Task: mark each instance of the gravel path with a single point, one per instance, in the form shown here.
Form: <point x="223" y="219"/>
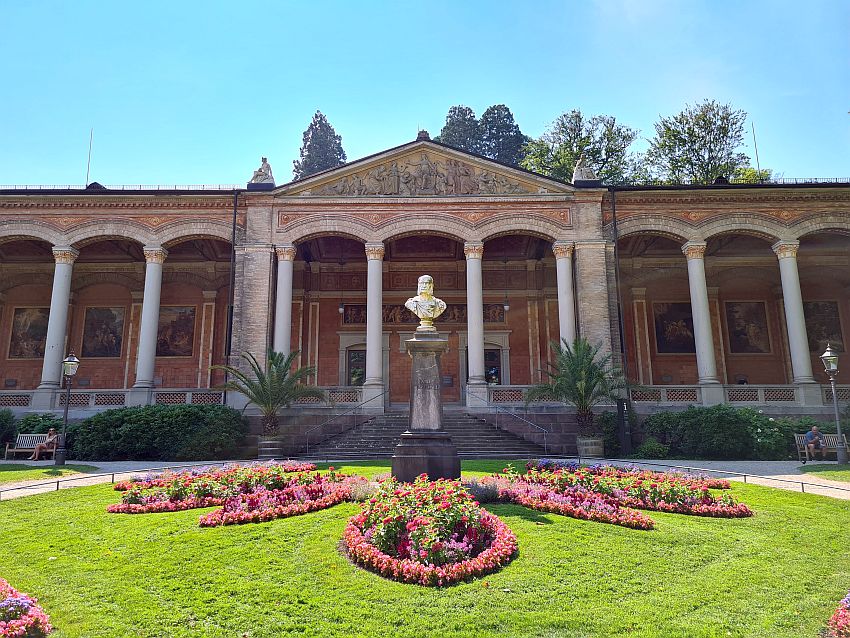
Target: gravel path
<point x="780" y="474"/>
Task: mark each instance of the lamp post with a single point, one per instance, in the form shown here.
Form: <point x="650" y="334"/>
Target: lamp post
<point x="69" y="369"/>
<point x="830" y="364"/>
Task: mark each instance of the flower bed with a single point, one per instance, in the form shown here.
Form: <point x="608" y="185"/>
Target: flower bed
<point x="206" y="487"/>
<point x="266" y="505"/>
<point x="643" y="489"/>
<point x="429" y="533"/>
<point x="20" y="615"/>
<point x="839" y="624"/>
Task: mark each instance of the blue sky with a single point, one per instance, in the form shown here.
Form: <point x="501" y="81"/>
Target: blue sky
<point x="194" y="93"/>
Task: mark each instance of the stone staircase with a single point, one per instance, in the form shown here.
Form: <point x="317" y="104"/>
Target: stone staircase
<point x="377" y="438"/>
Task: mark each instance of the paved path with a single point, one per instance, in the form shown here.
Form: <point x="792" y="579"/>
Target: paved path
<point x="781" y="474"/>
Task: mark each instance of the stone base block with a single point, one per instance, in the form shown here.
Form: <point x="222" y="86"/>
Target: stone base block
<point x="431" y="453"/>
<point x="139" y="396"/>
<point x="712" y="393"/>
<point x="44" y="399"/>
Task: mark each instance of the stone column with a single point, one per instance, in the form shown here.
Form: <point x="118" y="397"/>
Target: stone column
<point x="566" y="295"/>
<point x="712" y="390"/>
<point x="795" y="321"/>
<point x="476" y="385"/>
<point x="373" y="385"/>
<point x="148" y="326"/>
<point x="57" y="327"/>
<point x="592" y="293"/>
<point x="283" y="299"/>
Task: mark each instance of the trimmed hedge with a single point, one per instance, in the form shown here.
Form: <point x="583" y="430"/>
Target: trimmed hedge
<point x="160" y="433"/>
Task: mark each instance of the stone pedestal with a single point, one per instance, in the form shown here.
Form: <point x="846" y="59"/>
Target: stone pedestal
<point x="425" y="448"/>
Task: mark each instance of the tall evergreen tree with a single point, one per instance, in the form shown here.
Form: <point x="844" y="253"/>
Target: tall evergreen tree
<point x="501" y="139"/>
<point x="699" y="144"/>
<point x="461" y="130"/>
<point x="604" y="143"/>
<point x="321" y="148"/>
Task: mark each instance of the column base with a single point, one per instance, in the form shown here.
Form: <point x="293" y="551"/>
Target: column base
<point x="477" y="396"/>
<point x="431" y="453"/>
<point x="712" y="393"/>
<point x="139" y="396"/>
<point x="810" y="393"/>
<point x="372" y="393"/>
<point x="44" y="398"/>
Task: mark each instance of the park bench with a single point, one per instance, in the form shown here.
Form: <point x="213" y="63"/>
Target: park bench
<point x="27" y="443"/>
<point x="830" y="442"/>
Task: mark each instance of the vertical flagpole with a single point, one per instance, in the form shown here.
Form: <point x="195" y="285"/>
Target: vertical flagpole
<point x="88" y="164"/>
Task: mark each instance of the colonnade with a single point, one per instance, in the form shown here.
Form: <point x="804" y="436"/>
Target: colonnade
<point x="60" y="298"/>
<point x="786" y="253"/>
<point x="373" y="385"/>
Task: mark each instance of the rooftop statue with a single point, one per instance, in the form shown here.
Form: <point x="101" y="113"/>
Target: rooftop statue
<point x="582" y="172"/>
<point x="425" y="305"/>
<point x="263" y="175"/>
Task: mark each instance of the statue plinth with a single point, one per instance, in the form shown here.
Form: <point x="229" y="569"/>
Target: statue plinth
<point x="425" y="448"/>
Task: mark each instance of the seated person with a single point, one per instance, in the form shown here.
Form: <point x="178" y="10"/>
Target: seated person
<point x="815" y="441"/>
<point x="49" y="444"/>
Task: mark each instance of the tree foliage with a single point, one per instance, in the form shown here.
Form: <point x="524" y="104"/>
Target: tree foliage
<point x="604" y="142"/>
<point x="500" y="137"/>
<point x="321" y="148"/>
<point x="496" y="135"/>
<point x="461" y="130"/>
<point x="271" y="388"/>
<point x="580" y="376"/>
<point x="699" y="144"/>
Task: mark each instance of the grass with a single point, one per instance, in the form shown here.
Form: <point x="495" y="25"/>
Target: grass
<point x="14" y="473"/>
<point x="832" y="471"/>
<point x="104" y="575"/>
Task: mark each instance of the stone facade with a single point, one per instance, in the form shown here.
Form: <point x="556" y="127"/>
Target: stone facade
<point x="702" y="293"/>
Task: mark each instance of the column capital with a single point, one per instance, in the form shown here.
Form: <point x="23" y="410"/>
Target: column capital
<point x="473" y="249"/>
<point x="563" y="249"/>
<point x="374" y="250"/>
<point x="694" y="249"/>
<point x="785" y="249"/>
<point x="285" y="252"/>
<point x="155" y="254"/>
<point x="65" y="254"/>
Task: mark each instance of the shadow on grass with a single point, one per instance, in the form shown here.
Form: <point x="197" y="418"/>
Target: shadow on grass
<point x="505" y="510"/>
<point x="47" y="471"/>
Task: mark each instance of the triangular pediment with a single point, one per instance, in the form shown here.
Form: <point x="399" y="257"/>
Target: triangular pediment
<point x="423" y="169"/>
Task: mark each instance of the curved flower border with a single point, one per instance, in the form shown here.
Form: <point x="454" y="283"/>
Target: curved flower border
<point x="501" y="551"/>
<point x="165" y="506"/>
<point x="30" y="620"/>
<point x="221" y="516"/>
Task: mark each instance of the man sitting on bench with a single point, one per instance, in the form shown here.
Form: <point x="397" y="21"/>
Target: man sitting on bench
<point x="48" y="445"/>
<point x="815" y="441"/>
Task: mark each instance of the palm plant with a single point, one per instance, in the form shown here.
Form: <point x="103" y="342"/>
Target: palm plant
<point x="271" y="388"/>
<point x="580" y="376"/>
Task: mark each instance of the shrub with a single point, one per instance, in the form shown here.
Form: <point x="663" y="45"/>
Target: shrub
<point x="722" y="432"/>
<point x="607" y="421"/>
<point x="8" y="429"/>
<point x="160" y="433"/>
<point x="651" y="448"/>
<point x="39" y="423"/>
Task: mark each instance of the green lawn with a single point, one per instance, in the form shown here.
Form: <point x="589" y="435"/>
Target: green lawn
<point x="100" y="574"/>
<point x="13" y="473"/>
<point x="831" y="471"/>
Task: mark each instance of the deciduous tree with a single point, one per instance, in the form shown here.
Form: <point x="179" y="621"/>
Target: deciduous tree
<point x="604" y="142"/>
<point x="321" y="148"/>
<point x="699" y="144"/>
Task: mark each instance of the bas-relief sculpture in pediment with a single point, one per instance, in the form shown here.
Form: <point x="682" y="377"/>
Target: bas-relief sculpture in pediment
<point x="422" y="174"/>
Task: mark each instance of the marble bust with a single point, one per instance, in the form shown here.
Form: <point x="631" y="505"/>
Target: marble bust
<point x="425" y="305"/>
<point x="263" y="175"/>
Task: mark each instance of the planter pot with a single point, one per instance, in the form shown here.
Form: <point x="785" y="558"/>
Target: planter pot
<point x="590" y="447"/>
<point x="270" y="447"/>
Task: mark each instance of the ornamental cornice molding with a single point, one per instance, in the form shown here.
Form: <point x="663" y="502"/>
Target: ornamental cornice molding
<point x="636" y="198"/>
<point x="159" y="203"/>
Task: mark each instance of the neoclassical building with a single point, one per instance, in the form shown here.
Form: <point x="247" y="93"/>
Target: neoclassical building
<point x="705" y="294"/>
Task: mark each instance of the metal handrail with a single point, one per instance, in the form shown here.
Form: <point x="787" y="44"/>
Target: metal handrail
<point x="336" y="416"/>
<point x="516" y="416"/>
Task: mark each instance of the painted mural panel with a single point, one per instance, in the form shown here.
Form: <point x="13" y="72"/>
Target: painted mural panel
<point x="746" y="322"/>
<point x="823" y="325"/>
<point x="176" y="334"/>
<point x="29" y="333"/>
<point x="674" y="328"/>
<point x="103" y="332"/>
